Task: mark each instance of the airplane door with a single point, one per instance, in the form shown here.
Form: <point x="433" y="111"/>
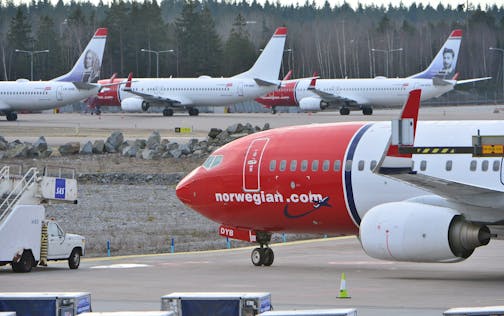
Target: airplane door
<point x="252" y="165"/>
<point x="59" y="93"/>
<point x="240" y="89"/>
<point x="502" y="171"/>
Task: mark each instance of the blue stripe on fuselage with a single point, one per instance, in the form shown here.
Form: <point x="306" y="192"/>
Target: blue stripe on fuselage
<point x="348" y="174"/>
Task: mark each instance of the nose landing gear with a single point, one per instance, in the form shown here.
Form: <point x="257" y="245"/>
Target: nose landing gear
<point x="263" y="255"/>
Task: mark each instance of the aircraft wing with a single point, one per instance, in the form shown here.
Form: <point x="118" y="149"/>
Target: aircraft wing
<point x="156" y="99"/>
<point x="330" y="97"/>
<point x="85" y="86"/>
<point x="473" y="80"/>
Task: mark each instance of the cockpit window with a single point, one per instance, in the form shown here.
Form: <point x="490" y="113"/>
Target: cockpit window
<point x="213" y="161"/>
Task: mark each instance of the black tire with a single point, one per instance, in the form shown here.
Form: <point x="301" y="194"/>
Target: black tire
<point x="257" y="257"/>
<point x="269" y="257"/>
<point x="193" y="112"/>
<point x="367" y="111"/>
<point x="11" y="116"/>
<point x="25" y="264"/>
<point x="74" y="259"/>
<point x="273" y="110"/>
<point x="167" y="112"/>
<point x="344" y="111"/>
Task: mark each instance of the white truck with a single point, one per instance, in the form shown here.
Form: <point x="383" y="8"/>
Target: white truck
<point x="27" y="238"/>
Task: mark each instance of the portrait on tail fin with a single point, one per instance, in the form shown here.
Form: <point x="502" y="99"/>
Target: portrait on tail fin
<point x="92" y="65"/>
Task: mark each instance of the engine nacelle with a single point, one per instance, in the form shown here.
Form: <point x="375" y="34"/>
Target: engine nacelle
<point x="134" y="105"/>
<point x="310" y="104"/>
<point x="408" y="231"/>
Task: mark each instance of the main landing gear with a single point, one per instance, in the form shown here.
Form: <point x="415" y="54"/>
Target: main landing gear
<point x="273" y="110"/>
<point x="263" y="255"/>
<point x="168" y="112"/>
<point x="193" y="111"/>
<point x="11" y="116"/>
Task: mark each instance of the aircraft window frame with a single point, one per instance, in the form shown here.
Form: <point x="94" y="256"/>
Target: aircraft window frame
<point x="217" y="161"/>
<point x="360" y="165"/>
<point x="423" y="165"/>
<point x="326" y="164"/>
<point x="337" y="165"/>
<point x="314" y="165"/>
<point x="484" y="165"/>
<point x="449" y="165"/>
<point x="272" y="165"/>
<point x="208" y="162"/>
<point x="293" y="165"/>
<point x="304" y="165"/>
<point x="473" y="165"/>
<point x="283" y="165"/>
<point x="496" y="165"/>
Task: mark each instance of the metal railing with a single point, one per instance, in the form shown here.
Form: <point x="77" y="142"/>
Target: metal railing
<point x="16" y="192"/>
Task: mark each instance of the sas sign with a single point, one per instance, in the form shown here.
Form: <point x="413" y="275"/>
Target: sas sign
<point x="60" y="189"/>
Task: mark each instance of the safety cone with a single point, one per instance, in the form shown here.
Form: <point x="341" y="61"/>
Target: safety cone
<point x="343" y="293"/>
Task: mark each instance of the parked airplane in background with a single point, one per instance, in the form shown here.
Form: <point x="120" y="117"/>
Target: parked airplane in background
<point x="187" y="93"/>
<point x="76" y="85"/>
<point x="363" y="94"/>
<point x="352" y="178"/>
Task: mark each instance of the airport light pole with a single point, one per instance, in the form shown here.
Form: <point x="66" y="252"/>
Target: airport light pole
<point x="387" y="53"/>
<point x="31" y="53"/>
<point x="157" y="52"/>
<point x="502" y="52"/>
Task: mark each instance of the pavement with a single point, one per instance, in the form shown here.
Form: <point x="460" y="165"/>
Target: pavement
<point x="305" y="275"/>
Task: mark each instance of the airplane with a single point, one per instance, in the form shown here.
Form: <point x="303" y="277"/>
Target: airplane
<point x="76" y="85"/>
<point x="363" y="94"/>
<point x="422" y="197"/>
<point x="187" y="93"/>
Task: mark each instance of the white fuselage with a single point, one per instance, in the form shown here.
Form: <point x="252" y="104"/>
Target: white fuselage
<point x="198" y="91"/>
<point x="40" y="95"/>
<point x="376" y="92"/>
<point x="478" y="172"/>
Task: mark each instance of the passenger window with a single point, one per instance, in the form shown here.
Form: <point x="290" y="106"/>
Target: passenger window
<point x="272" y="166"/>
<point x="314" y="165"/>
<point x="423" y="165"/>
<point x="283" y="165"/>
<point x="293" y="165"/>
<point x="304" y="165"/>
<point x="372" y="165"/>
<point x="484" y="165"/>
<point x="337" y="165"/>
<point x="360" y="166"/>
<point x="325" y="165"/>
<point x="449" y="165"/>
<point x="348" y="165"/>
<point x="473" y="165"/>
<point x="496" y="165"/>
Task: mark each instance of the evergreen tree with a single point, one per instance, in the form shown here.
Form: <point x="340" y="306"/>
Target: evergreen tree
<point x="19" y="37"/>
<point x="239" y="52"/>
<point x="46" y="39"/>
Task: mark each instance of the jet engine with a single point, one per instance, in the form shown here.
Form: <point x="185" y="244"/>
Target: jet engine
<point x="409" y="231"/>
<point x="134" y="105"/>
<point x="312" y="104"/>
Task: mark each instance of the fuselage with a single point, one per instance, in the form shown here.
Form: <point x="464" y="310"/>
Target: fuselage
<point x="40" y="95"/>
<point x="189" y="91"/>
<point x="319" y="178"/>
<point x="377" y="92"/>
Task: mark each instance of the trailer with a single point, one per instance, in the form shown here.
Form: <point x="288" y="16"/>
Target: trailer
<point x="27" y="238"/>
<point x="46" y="304"/>
<point x="216" y="303"/>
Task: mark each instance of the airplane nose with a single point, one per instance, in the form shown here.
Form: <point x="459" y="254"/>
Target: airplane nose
<point x="185" y="188"/>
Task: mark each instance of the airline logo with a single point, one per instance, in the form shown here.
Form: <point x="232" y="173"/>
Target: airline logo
<point x="59" y="190"/>
<point x="262" y="197"/>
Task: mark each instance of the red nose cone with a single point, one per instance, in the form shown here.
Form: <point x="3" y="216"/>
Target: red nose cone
<point x="185" y="189"/>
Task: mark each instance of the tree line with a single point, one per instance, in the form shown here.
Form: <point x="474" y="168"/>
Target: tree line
<point x="220" y="38"/>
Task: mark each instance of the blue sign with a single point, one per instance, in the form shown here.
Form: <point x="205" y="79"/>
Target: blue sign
<point x="59" y="192"/>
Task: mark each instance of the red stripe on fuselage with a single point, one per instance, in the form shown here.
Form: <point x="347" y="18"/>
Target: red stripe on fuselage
<point x="282" y="203"/>
<point x="285" y="96"/>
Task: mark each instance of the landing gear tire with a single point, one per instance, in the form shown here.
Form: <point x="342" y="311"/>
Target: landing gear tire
<point x="269" y="257"/>
<point x="257" y="257"/>
<point x="193" y="112"/>
<point x="25" y="264"/>
<point x="11" y="116"/>
<point x="273" y="110"/>
<point x="74" y="259"/>
<point x="167" y="112"/>
<point x="367" y="111"/>
<point x="344" y="111"/>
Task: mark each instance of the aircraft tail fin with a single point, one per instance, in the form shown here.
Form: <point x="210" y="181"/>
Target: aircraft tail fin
<point x="444" y="64"/>
<point x="87" y="68"/>
<point x="267" y="65"/>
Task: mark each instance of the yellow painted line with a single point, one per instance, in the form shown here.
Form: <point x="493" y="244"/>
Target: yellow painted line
<point x="281" y="244"/>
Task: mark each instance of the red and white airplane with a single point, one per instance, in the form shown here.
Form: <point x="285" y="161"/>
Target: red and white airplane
<point x="354" y="179"/>
<point x="187" y="93"/>
<point x="363" y="94"/>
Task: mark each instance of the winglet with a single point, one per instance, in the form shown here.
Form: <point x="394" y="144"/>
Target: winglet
<point x="313" y="82"/>
<point x="403" y="134"/>
<point x="455" y="77"/>
<point x="128" y="82"/>
<point x="114" y="75"/>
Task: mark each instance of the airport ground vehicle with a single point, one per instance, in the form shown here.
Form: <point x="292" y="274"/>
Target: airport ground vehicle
<point x="27" y="239"/>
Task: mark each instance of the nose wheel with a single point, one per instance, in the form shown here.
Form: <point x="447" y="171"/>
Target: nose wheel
<point x="263" y="255"/>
